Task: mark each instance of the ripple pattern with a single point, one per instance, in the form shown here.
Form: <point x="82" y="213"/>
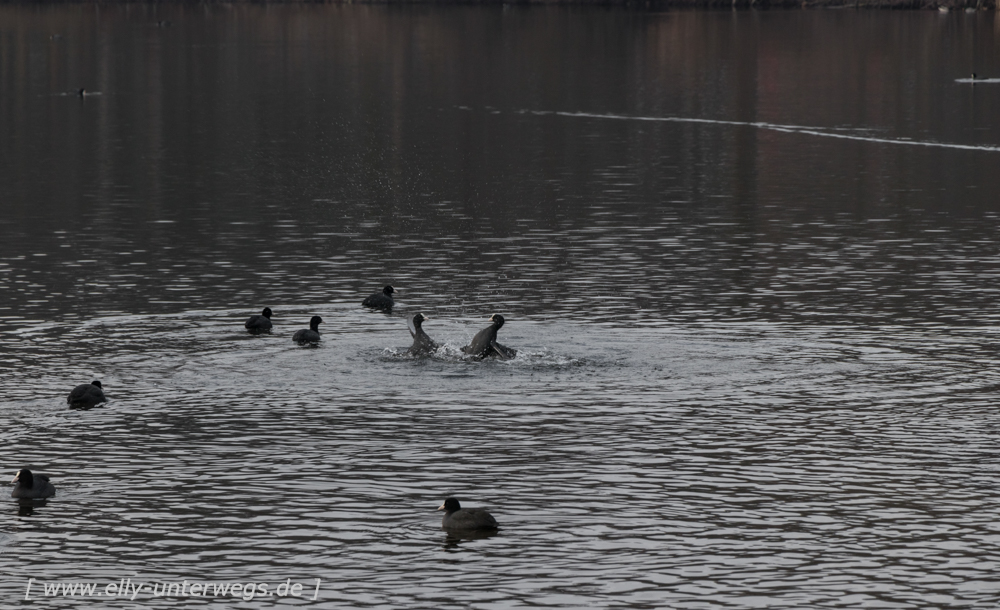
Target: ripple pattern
<point x="756" y="465"/>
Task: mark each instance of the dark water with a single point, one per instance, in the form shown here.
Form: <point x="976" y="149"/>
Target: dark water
<point x="750" y="261"/>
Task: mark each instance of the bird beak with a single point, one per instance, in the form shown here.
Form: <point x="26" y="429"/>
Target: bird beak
<point x="441" y="507"/>
<point x="16" y="478"/>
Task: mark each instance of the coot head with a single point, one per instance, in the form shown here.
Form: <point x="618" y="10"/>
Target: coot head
<point x="24" y="477"/>
<point x="387" y="291"/>
<point x="266" y="313"/>
<point x="314" y="322"/>
<point x="450" y="505"/>
<point x="497" y="320"/>
<point x="419" y="319"/>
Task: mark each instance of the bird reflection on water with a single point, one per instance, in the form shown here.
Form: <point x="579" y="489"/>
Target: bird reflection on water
<point x="26" y="506"/>
<point x="454" y="538"/>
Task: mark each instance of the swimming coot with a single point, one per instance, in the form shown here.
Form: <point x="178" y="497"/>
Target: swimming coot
<point x="86" y="396"/>
<point x="458" y="518"/>
<point x="380" y="300"/>
<point x="30" y="485"/>
<point x="259" y="323"/>
<point x="422" y="344"/>
<point x="484" y="344"/>
<point x="310" y="335"/>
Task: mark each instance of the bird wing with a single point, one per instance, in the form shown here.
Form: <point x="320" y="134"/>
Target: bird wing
<point x="503" y="351"/>
<point x="480" y="344"/>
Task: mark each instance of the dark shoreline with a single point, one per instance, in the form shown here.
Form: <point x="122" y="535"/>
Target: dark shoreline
<point x="935" y="5"/>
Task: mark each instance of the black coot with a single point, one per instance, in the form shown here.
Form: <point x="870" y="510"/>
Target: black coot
<point x="380" y="300"/>
<point x="310" y="335"/>
<point x="28" y="485"/>
<point x="259" y="323"/>
<point x="485" y="345"/>
<point x="422" y="344"/>
<point x="86" y="396"/>
<point x="458" y="518"/>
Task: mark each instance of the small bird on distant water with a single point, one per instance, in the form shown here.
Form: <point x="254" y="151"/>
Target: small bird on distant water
<point x="484" y="344"/>
<point x="81" y="92"/>
<point x="259" y="323"/>
<point x="380" y="300"/>
<point x="422" y="344"/>
<point x="28" y="485"/>
<point x="458" y="518"/>
<point x="310" y="335"/>
<point x="86" y="396"/>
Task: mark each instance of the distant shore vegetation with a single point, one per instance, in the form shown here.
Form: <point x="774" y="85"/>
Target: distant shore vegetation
<point x="943" y="6"/>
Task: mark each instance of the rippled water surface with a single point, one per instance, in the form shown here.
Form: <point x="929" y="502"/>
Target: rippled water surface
<point x="749" y="261"/>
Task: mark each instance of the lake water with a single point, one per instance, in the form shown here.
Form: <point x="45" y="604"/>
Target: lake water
<point x="749" y="260"/>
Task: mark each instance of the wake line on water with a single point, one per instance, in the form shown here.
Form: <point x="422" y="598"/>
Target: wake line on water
<point x="812" y="131"/>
